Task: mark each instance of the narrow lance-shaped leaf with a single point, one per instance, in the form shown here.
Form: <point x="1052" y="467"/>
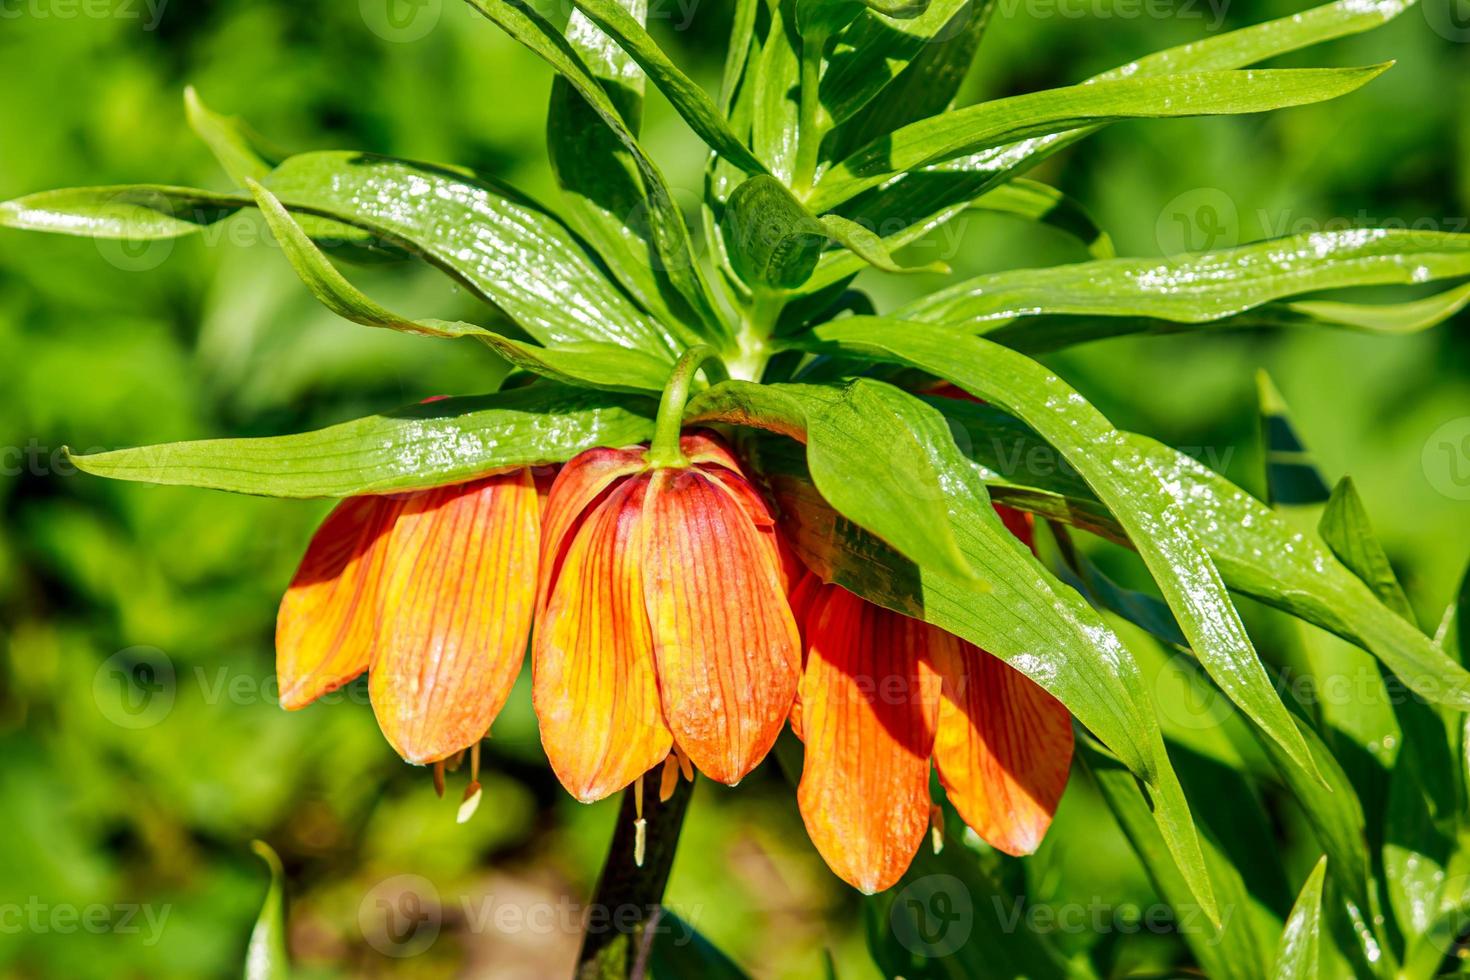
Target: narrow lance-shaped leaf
<point x="1014" y="608"/>
<point x="1203" y="286"/>
<point x="598" y="365"/>
<point x="1257" y="552"/>
<point x="921" y="196"/>
<point x="666" y="223"/>
<point x="600" y="181"/>
<point x="1296" y="958"/>
<point x="687" y="98"/>
<point x="435" y="444"/>
<point x="866" y="245"/>
<point x="503" y="247"/>
<point x="1348" y="532"/>
<point x="236" y="148"/>
<point x="874" y="50"/>
<point x="1170" y="548"/>
<point x="1002" y="121"/>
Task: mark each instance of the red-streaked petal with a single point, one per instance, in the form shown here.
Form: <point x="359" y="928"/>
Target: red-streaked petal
<point x="706" y="447"/>
<point x="595" y="690"/>
<point x="1003" y="749"/>
<point x="460" y="585"/>
<point x="325" y="627"/>
<point x="577" y="485"/>
<point x="869" y="700"/>
<point x="727" y="647"/>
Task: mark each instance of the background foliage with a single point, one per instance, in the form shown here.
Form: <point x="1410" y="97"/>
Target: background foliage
<point x="151" y="807"/>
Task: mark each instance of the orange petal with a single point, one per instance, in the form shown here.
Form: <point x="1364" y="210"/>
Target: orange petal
<point x="869" y="700"/>
<point x="456" y="613"/>
<point x="727" y="647"/>
<point x="595" y="690"/>
<point x="1003" y="750"/>
<point x="704" y="446"/>
<point x="324" y="630"/>
<point x="577" y="485"/>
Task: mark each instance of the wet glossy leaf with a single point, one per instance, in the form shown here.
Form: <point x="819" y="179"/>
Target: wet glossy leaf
<point x="1296" y="958"/>
<point x="1137" y="497"/>
<point x="991" y="124"/>
<point x="666" y="223"/>
<point x="598" y="365"/>
<point x="435" y="444"/>
<point x="1204" y="286"/>
<point x="687" y="98"/>
<point x="1015" y="608"/>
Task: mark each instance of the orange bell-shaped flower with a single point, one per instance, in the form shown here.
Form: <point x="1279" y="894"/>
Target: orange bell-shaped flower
<point x="662" y="619"/>
<point x="432" y="593"/>
<point x="881" y="695"/>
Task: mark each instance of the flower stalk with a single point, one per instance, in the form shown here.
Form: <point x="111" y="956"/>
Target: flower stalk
<point x="629" y="895"/>
<point x="664" y="451"/>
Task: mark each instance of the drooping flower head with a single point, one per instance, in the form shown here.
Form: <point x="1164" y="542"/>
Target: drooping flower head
<point x="882" y="695"/>
<point x="662" y="619"/>
<point x="431" y="592"/>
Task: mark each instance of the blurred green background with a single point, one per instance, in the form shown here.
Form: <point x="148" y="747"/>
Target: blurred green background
<point x="125" y="819"/>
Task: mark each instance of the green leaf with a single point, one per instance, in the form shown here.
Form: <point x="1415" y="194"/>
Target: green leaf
<point x="1145" y="611"/>
<point x="503" y="247"/>
<point x="1296" y="958"/>
<point x="991" y="124"/>
<point x="924" y="86"/>
<point x="1347" y="531"/>
<point x="598" y="365"/>
<point x="1291" y="473"/>
<point x="666" y="223"/>
<point x="1015" y="608"/>
<point x="600" y="181"/>
<point x="1137" y="497"/>
<point x="1205" y="286"/>
<point x="1231" y="950"/>
<point x="933" y="191"/>
<point x="775" y="125"/>
<point x="1043" y="203"/>
<point x="866" y="245"/>
<point x="771" y="239"/>
<point x="435" y="444"/>
<point x="1415" y="851"/>
<point x="237" y="149"/>
<point x="136" y="212"/>
<point x="679" y="950"/>
<point x="874" y="50"/>
<point x="265" y="957"/>
<point x="1258" y="553"/>
<point x="687" y="98"/>
<point x="948" y="919"/>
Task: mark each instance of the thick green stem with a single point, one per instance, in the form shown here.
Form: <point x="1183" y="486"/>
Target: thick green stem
<point x="812" y="121"/>
<point x="623" y="918"/>
<point x="664" y="451"/>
